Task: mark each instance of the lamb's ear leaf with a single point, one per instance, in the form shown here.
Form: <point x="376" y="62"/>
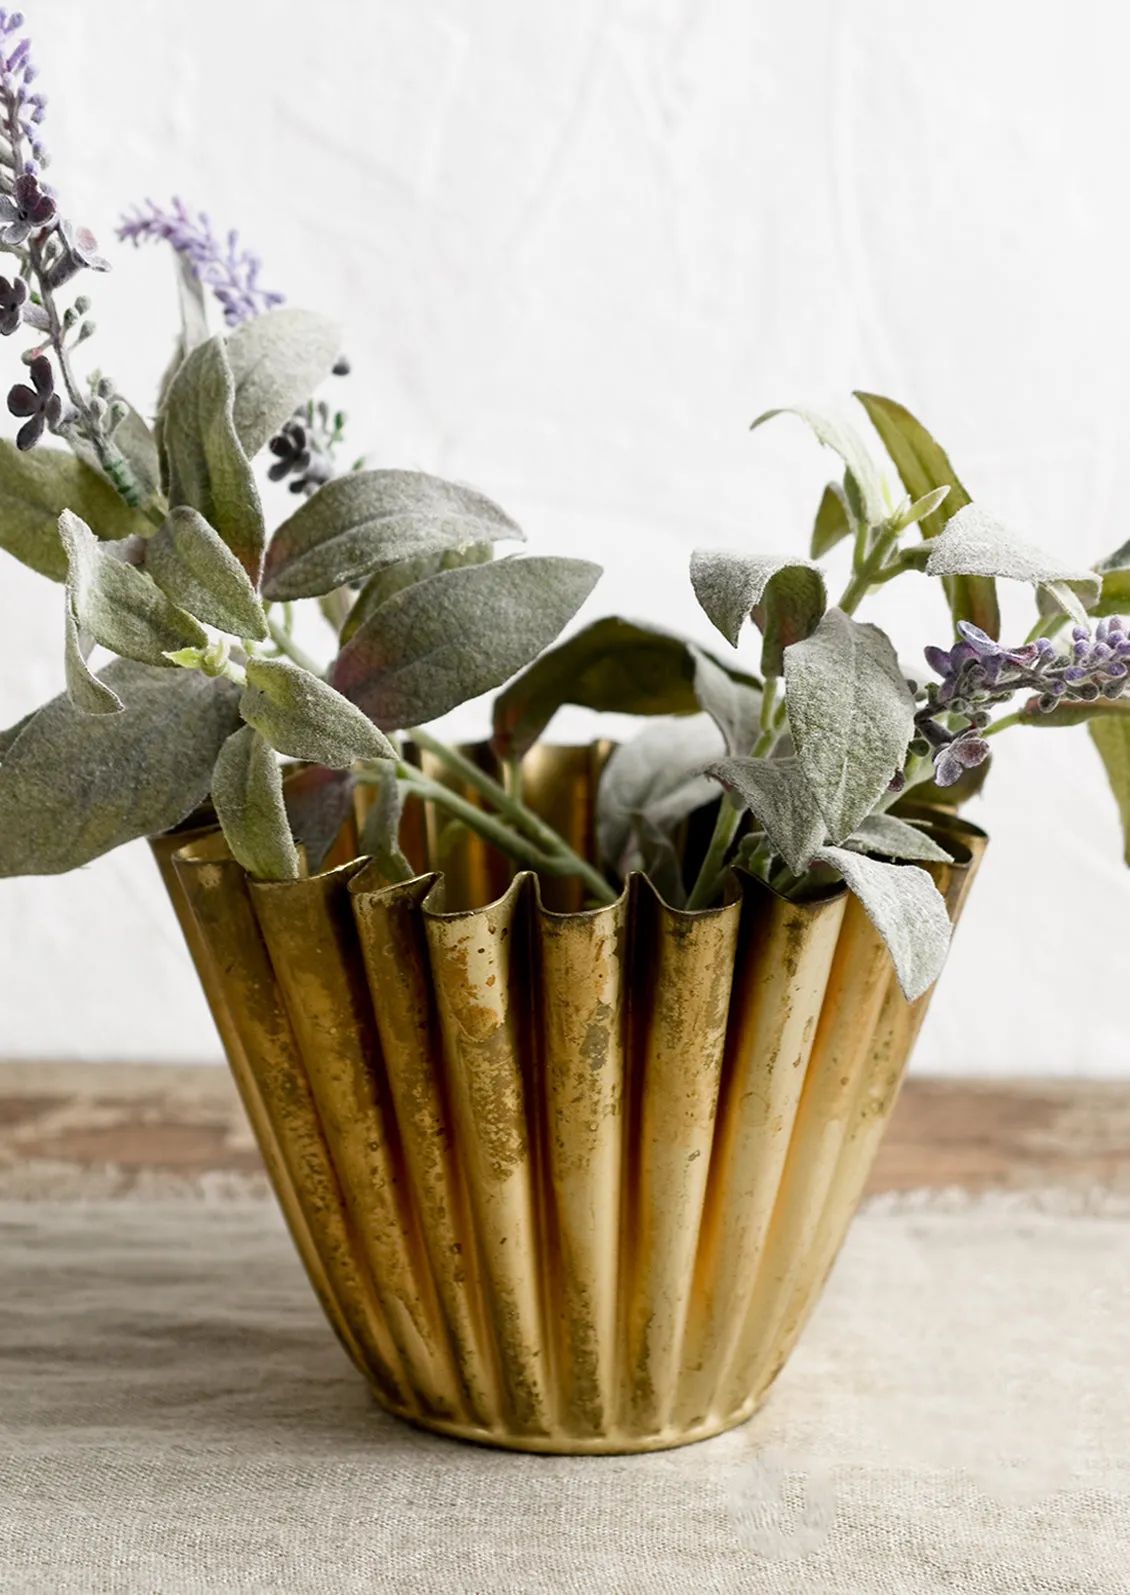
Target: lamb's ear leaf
<point x="368" y="520"/>
<point x="193" y="566"/>
<point x="613" y="665"/>
<point x="247" y="794"/>
<point x="975" y="543"/>
<point x="894" y="838"/>
<point x="923" y="465"/>
<point x="36" y="487"/>
<point x="10" y="733"/>
<point x="734" y="706"/>
<point x="658" y="774"/>
<point x="84" y="689"/>
<point x="277" y="360"/>
<point x="1115" y="596"/>
<point x="118" y="605"/>
<point x="206" y="466"/>
<point x="863" y="482"/>
<point x="785" y="597"/>
<point x="318" y="803"/>
<point x="305" y="718"/>
<point x="1111" y="735"/>
<point x="851" y="715"/>
<point x="777" y="793"/>
<point x="907" y="910"/>
<point x="384" y="584"/>
<point x="75" y="785"/>
<point x="834" y="521"/>
<point x="380" y="835"/>
<point x="445" y="640"/>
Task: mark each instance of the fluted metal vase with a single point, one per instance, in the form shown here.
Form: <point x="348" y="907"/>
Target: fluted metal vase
<point x="563" y="1180"/>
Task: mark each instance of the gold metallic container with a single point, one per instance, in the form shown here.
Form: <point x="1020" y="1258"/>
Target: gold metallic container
<point x="563" y="1180"/>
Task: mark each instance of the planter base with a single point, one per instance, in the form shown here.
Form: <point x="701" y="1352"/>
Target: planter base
<point x="569" y="1445"/>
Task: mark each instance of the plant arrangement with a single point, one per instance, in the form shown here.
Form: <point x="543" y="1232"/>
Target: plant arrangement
<point x="808" y="770"/>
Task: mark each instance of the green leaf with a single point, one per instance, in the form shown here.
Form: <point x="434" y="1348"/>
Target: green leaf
<point x="1111" y="735"/>
<point x="777" y="792"/>
<point x="851" y="715"/>
<point x="74" y="785"/>
<point x="446" y="640"/>
<point x="834" y="521"/>
<point x="1073" y="712"/>
<point x="84" y="689"/>
<point x="118" y="605"/>
<point x="659" y="776"/>
<point x="894" y="838"/>
<point x="1119" y="560"/>
<point x="785" y="596"/>
<point x="382" y="584"/>
<point x="975" y="543"/>
<point x="207" y="467"/>
<point x="907" y="910"/>
<point x="191" y="563"/>
<point x="910" y="513"/>
<point x="277" y="360"/>
<point x="923" y="466"/>
<point x="734" y="707"/>
<point x="1115" y="596"/>
<point x="614" y="665"/>
<point x="318" y="803"/>
<point x="305" y="718"/>
<point x="380" y="835"/>
<point x="368" y="520"/>
<point x="36" y="487"/>
<point x="247" y="794"/>
<point x="846" y="442"/>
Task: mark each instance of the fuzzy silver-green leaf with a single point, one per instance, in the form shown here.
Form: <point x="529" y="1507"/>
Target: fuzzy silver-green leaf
<point x="659" y="774"/>
<point x="778" y="794"/>
<point x="191" y="563"/>
<point x="305" y="718"/>
<point x="84" y="689"/>
<point x="74" y="785"/>
<point x="838" y="435"/>
<point x="247" y="794"/>
<point x="975" y="543"/>
<point x="207" y="467"/>
<point x="851" y="715"/>
<point x="907" y="910"/>
<point x="894" y="838"/>
<point x="36" y="487"/>
<point x="734" y="706"/>
<point x="444" y="641"/>
<point x="784" y="595"/>
<point x="366" y="521"/>
<point x="118" y="605"/>
<point x="277" y="360"/>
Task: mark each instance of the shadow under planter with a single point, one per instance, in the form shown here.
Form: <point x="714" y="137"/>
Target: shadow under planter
<point x="562" y="1181"/>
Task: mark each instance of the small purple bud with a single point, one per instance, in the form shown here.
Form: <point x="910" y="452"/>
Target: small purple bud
<point x="1101" y="629"/>
<point x="938" y="659"/>
<point x="1100" y="652"/>
<point x="1117" y="668"/>
<point x="1080" y="634"/>
<point x="1045" y="645"/>
<point x="1075" y="673"/>
<point x="971" y="751"/>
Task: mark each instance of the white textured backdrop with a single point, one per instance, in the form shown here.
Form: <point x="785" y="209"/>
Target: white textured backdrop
<point x="576" y="248"/>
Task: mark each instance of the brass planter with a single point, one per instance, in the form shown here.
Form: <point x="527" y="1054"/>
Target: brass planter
<point x="563" y="1181"/>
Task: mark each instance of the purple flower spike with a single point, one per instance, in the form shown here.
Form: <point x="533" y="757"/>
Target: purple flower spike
<point x="231" y="274"/>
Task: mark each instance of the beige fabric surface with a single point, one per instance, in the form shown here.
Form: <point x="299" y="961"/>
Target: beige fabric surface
<point x="175" y="1418"/>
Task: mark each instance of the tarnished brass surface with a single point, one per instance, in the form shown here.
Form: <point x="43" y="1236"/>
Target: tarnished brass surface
<point x="565" y="1180"/>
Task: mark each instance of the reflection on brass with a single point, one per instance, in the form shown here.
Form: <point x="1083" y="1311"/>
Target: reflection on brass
<point x="563" y="1179"/>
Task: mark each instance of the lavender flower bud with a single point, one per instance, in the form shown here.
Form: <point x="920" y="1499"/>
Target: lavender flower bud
<point x="1088" y="692"/>
<point x="1080" y="634"/>
<point x="971" y="751"/>
<point x="1047" y="703"/>
<point x="1114" y="689"/>
<point x="1116" y="669"/>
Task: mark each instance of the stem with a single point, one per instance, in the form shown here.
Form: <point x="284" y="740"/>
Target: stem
<point x="870" y="572"/>
<point x="1013" y="719"/>
<point x="287" y="645"/>
<point x="565" y="861"/>
<point x="1047" y="627"/>
<point x="512" y="779"/>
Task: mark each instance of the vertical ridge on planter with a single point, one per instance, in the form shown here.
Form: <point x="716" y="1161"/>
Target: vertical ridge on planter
<point x="485" y="1032"/>
<point x="311" y="937"/>
<point x="841" y="1050"/>
<point x="394" y="948"/>
<point x="164" y="848"/>
<point x="683" y="992"/>
<point x="217" y="890"/>
<point x="583" y="1032"/>
<point x="895" y="1033"/>
<point x="783" y="960"/>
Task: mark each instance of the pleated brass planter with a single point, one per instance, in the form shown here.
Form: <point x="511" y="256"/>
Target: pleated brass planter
<point x="563" y="1181"/>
